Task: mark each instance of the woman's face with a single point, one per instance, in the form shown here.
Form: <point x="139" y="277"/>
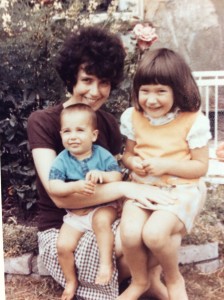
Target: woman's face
<point x="91" y="90"/>
<point x="156" y="99"/>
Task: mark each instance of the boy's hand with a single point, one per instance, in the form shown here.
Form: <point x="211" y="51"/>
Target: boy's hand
<point x="95" y="176"/>
<point x="86" y="187"/>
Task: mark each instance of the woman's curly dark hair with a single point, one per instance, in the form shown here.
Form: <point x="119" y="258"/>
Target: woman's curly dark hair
<point x="101" y="52"/>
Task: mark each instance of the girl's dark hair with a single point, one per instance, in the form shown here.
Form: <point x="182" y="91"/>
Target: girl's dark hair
<point x="100" y="51"/>
<point x="164" y="66"/>
<point x="80" y="107"/>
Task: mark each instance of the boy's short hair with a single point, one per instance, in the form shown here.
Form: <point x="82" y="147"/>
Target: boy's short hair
<point x="80" y="107"/>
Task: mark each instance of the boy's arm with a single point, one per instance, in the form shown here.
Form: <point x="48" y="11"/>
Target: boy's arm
<point x="60" y="188"/>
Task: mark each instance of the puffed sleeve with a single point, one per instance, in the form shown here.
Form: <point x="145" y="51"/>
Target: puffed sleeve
<point x="126" y="127"/>
<point x="199" y="134"/>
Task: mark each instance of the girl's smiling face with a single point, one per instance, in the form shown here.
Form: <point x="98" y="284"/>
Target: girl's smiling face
<point x="156" y="100"/>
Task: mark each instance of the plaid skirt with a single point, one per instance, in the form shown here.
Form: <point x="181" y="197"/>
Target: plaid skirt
<point x="86" y="261"/>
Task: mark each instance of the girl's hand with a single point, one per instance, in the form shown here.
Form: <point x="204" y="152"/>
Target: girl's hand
<point x="95" y="176"/>
<point x="156" y="166"/>
<point x="136" y="165"/>
<point x="86" y="187"/>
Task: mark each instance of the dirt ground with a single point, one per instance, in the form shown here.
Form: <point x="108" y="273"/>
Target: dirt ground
<point x="208" y="228"/>
<point x="199" y="286"/>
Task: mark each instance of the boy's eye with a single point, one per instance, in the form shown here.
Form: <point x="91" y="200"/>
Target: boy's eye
<point x="65" y="131"/>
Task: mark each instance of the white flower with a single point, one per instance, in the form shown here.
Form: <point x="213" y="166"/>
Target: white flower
<point x="145" y="33"/>
<point x="4" y="4"/>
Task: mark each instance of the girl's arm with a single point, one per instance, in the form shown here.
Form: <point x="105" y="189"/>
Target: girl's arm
<point x="132" y="162"/>
<point x="189" y="169"/>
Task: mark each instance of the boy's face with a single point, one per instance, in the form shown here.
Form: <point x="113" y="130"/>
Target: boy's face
<point x="78" y="134"/>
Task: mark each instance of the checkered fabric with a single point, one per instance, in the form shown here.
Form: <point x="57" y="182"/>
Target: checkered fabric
<point x="87" y="262"/>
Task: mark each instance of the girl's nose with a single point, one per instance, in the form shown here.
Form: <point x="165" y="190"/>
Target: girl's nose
<point x="151" y="99"/>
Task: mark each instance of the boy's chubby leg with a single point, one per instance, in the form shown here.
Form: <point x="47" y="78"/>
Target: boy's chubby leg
<point x="135" y="253"/>
<point x="102" y="220"/>
<point x="66" y="244"/>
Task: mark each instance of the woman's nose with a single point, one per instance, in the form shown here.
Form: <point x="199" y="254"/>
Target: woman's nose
<point x="94" y="89"/>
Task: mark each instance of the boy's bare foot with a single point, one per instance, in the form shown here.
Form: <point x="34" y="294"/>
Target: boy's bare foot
<point x="133" y="292"/>
<point x="104" y="274"/>
<point x="177" y="289"/>
<point x="69" y="291"/>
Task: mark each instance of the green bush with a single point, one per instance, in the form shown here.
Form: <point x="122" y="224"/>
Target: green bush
<point x="32" y="36"/>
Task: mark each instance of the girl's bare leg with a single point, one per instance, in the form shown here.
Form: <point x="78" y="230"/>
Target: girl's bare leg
<point x="66" y="244"/>
<point x="103" y="218"/>
<point x="157" y="236"/>
<point x="157" y="288"/>
<point x="132" y="221"/>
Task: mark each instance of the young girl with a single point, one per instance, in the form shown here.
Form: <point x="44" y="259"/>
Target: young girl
<point x="166" y="147"/>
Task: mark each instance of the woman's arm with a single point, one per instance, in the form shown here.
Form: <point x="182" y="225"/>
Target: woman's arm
<point x="104" y="193"/>
<point x="97" y="176"/>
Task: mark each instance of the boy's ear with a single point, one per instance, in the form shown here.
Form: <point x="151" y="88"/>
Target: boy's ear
<point x="95" y="135"/>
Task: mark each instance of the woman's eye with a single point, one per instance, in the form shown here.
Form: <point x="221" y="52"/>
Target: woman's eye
<point x="86" y="79"/>
<point x="105" y="82"/>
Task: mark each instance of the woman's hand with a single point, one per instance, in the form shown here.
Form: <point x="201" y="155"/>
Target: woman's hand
<point x="148" y="195"/>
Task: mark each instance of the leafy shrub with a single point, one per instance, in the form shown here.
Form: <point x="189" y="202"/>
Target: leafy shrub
<point x="32" y="34"/>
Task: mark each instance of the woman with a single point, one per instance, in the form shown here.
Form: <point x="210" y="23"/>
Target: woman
<point x="90" y="64"/>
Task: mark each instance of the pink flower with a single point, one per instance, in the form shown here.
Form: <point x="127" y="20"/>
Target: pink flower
<point x="145" y="35"/>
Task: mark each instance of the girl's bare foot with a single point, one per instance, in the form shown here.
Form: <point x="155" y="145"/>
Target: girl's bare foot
<point x="69" y="291"/>
<point x="104" y="274"/>
<point x="158" y="290"/>
<point x="133" y="292"/>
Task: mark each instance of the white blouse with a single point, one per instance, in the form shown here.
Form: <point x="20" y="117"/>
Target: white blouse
<point x="198" y="136"/>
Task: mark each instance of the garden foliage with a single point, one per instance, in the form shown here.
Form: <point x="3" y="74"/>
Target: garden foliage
<point x="31" y="32"/>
